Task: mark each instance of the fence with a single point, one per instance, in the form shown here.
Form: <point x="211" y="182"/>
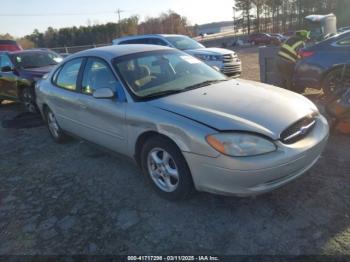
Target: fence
<point x="74" y="49"/>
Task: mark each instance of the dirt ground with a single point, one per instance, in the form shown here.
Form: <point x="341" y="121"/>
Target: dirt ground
<point x="250" y="63"/>
<point x="76" y="199"/>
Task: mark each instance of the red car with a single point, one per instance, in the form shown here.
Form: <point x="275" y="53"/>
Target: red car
<point x="9" y="45"/>
<point x="263" y="39"/>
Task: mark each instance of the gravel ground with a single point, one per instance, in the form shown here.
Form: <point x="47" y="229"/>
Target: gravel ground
<point x="76" y="199"/>
<point x="250" y="63"/>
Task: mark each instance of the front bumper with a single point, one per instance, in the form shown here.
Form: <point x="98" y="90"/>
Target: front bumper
<point x="260" y="174"/>
<point x="229" y="67"/>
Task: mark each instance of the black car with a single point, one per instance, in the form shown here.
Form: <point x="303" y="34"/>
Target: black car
<point x="19" y="72"/>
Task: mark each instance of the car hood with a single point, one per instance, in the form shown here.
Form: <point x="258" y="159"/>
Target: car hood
<point x="240" y="105"/>
<point x="209" y="51"/>
<point x="37" y="72"/>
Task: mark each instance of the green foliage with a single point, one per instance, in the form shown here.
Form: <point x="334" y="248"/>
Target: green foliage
<point x="6" y="37"/>
<point x="284" y="15"/>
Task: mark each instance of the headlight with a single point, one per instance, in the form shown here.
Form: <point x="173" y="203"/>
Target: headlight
<point x="240" y="144"/>
<point x="209" y="57"/>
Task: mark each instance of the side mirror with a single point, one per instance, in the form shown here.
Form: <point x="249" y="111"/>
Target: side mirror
<point x="103" y="93"/>
<point x="6" y="69"/>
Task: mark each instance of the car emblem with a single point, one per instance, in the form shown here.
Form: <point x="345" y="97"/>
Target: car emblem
<point x="303" y="130"/>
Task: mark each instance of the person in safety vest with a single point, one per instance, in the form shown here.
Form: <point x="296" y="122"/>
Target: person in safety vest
<point x="288" y="56"/>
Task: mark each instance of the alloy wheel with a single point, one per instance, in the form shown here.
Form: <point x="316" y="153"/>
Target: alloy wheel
<point x="163" y="170"/>
<point x="52" y="124"/>
<point x="28" y="100"/>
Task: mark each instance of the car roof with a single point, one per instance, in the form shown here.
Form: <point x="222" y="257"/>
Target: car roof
<point x="7" y="41"/>
<point x="337" y="37"/>
<point x="147" y="35"/>
<point x="113" y="51"/>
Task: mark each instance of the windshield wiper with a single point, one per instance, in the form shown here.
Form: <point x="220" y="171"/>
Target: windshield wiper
<point x="203" y="84"/>
<point x="176" y="91"/>
<point x="163" y="93"/>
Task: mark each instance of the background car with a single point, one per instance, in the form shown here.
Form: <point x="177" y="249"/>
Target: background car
<point x="226" y="60"/>
<point x="9" y="45"/>
<point x="186" y="125"/>
<point x="321" y="64"/>
<point x="20" y="70"/>
<point x="263" y="39"/>
<point x="281" y="37"/>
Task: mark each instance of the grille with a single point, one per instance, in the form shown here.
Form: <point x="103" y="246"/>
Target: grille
<point x="231" y="68"/>
<point x="228" y="58"/>
<point x="298" y="130"/>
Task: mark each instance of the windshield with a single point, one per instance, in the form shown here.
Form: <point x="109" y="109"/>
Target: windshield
<point x="36" y="59"/>
<point x="183" y="42"/>
<point x="165" y="72"/>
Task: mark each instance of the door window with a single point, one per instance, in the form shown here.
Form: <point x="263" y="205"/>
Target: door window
<point x="134" y="41"/>
<point x="68" y="75"/>
<point x="156" y="41"/>
<point x="97" y="75"/>
<point x="5" y="61"/>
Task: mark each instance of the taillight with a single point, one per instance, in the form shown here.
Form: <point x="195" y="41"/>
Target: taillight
<point x="305" y="54"/>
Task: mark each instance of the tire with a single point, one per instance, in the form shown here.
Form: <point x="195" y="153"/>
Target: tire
<point x="55" y="131"/>
<point x="27" y="97"/>
<point x="333" y="82"/>
<point x="166" y="168"/>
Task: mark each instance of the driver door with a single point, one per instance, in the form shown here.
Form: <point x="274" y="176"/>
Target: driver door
<point x="8" y="80"/>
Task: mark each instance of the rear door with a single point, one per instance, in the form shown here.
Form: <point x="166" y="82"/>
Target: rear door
<point x="64" y="101"/>
<point x="8" y="80"/>
<point x="103" y="120"/>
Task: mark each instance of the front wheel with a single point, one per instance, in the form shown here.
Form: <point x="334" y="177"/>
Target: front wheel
<point x="55" y="131"/>
<point x="163" y="163"/>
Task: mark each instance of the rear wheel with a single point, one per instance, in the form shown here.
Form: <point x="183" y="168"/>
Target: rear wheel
<point x="56" y="132"/>
<point x="335" y="81"/>
<point x="166" y="168"/>
<point x="27" y="97"/>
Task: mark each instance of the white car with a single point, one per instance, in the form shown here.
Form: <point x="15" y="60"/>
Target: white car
<point x="226" y="60"/>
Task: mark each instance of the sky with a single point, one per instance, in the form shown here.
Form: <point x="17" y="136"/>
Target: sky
<point x="21" y="17"/>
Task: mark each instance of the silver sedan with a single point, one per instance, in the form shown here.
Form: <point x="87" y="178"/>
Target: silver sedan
<point x="184" y="123"/>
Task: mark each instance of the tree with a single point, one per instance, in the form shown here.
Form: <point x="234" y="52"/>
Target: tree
<point x="245" y="6"/>
<point x="167" y="23"/>
<point x="258" y="7"/>
<point x="6" y="36"/>
<point x="25" y="43"/>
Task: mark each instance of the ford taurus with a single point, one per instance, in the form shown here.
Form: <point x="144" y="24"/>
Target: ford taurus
<point x="186" y="125"/>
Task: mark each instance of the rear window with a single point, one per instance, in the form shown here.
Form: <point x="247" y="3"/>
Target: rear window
<point x="67" y="76"/>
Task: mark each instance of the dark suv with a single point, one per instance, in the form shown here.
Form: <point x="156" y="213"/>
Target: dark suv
<point x="20" y="70"/>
